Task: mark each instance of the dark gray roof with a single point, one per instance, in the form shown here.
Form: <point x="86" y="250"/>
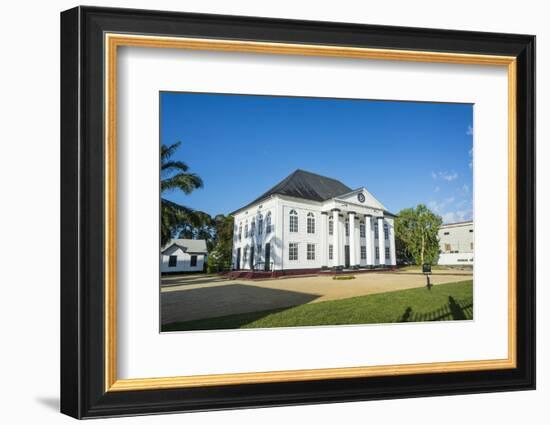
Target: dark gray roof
<point x="305" y="185"/>
<point x="191" y="246"/>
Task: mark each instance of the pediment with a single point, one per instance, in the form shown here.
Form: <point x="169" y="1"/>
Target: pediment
<point x="361" y="197"/>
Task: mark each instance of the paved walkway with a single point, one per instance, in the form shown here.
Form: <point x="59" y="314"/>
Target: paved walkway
<point x="199" y="297"/>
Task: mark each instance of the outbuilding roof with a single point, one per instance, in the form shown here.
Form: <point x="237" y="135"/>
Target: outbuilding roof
<point x="191" y="246"/>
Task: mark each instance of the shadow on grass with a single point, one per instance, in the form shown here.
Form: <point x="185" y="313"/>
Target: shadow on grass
<point x="453" y="310"/>
<point x="234" y="321"/>
<point x="239" y="304"/>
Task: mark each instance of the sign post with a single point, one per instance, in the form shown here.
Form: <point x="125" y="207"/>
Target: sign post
<point x="427" y="270"/>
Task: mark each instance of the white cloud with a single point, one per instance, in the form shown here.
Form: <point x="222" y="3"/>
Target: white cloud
<point x="470" y="131"/>
<point x="470" y="153"/>
<point x="445" y="175"/>
<point x="455" y="216"/>
<point x="448" y="176"/>
<point x="439" y="206"/>
<point x="464" y="190"/>
<point x="437" y="189"/>
<point x="448" y="217"/>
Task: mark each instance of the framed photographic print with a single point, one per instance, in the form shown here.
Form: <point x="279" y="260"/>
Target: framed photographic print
<point x="261" y="212"/>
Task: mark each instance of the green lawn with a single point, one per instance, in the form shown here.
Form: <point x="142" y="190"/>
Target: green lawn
<point x="450" y="301"/>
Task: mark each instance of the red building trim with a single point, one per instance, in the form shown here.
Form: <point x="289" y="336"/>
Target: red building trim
<point x="275" y="274"/>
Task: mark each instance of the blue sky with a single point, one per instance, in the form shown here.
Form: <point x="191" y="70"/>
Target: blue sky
<point x="404" y="153"/>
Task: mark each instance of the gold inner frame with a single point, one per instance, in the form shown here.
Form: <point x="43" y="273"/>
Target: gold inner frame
<point x="113" y="41"/>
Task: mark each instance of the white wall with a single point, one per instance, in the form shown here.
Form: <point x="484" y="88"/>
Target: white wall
<point x="280" y="237"/>
<point x="183" y="263"/>
<point x="302" y="238"/>
<point x="29" y="314"/>
<point x="456" y="259"/>
<point x="258" y="239"/>
<point x="459" y="237"/>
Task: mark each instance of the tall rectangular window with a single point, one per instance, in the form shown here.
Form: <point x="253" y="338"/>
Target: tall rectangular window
<point x="310" y="223"/>
<point x="377" y="251"/>
<point x="387" y="251"/>
<point x="386" y="232"/>
<point x="331" y="226"/>
<point x="362" y="230"/>
<point x="363" y="252"/>
<point x="260" y="225"/>
<point x="268" y="223"/>
<point x="172" y="261"/>
<point x="293" y="222"/>
<point x="347" y="227"/>
<point x="375" y="230"/>
<point x="293" y="251"/>
<point x="193" y="261"/>
<point x="310" y="251"/>
<point x="330" y="252"/>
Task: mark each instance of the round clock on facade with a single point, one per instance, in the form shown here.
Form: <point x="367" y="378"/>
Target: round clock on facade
<point x="361" y="197"/>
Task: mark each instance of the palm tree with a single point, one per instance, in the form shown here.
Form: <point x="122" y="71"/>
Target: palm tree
<point x="175" y="175"/>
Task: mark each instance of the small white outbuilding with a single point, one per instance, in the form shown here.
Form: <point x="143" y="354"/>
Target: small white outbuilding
<point x="456" y="244"/>
<point x="183" y="255"/>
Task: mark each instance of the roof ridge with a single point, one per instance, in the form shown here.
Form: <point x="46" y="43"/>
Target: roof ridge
<point x="305" y="185"/>
<point x="315" y="174"/>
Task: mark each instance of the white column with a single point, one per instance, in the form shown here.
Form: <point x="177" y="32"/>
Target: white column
<point x="392" y="242"/>
<point x="324" y="237"/>
<point x="352" y="242"/>
<point x="369" y="240"/>
<point x="381" y="241"/>
<point x="336" y="237"/>
<point x="278" y="249"/>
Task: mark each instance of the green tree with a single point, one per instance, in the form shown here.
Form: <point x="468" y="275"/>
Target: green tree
<point x="416" y="234"/>
<point x="219" y="258"/>
<point x="175" y="175"/>
<point x="199" y="226"/>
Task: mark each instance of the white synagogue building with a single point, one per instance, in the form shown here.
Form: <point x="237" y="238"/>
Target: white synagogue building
<point x="308" y="223"/>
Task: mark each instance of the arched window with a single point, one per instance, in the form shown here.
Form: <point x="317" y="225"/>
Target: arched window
<point x="252" y="227"/>
<point x="293" y="222"/>
<point x="268" y="223"/>
<point x="330" y="226"/>
<point x="362" y="230"/>
<point x="310" y="223"/>
<point x="260" y="224"/>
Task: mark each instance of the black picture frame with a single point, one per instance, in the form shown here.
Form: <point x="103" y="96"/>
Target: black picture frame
<point x="82" y="212"/>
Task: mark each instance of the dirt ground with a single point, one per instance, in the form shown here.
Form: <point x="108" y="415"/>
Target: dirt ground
<point x="195" y="297"/>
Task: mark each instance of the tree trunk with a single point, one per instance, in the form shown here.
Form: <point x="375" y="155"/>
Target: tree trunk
<point x="422" y="250"/>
